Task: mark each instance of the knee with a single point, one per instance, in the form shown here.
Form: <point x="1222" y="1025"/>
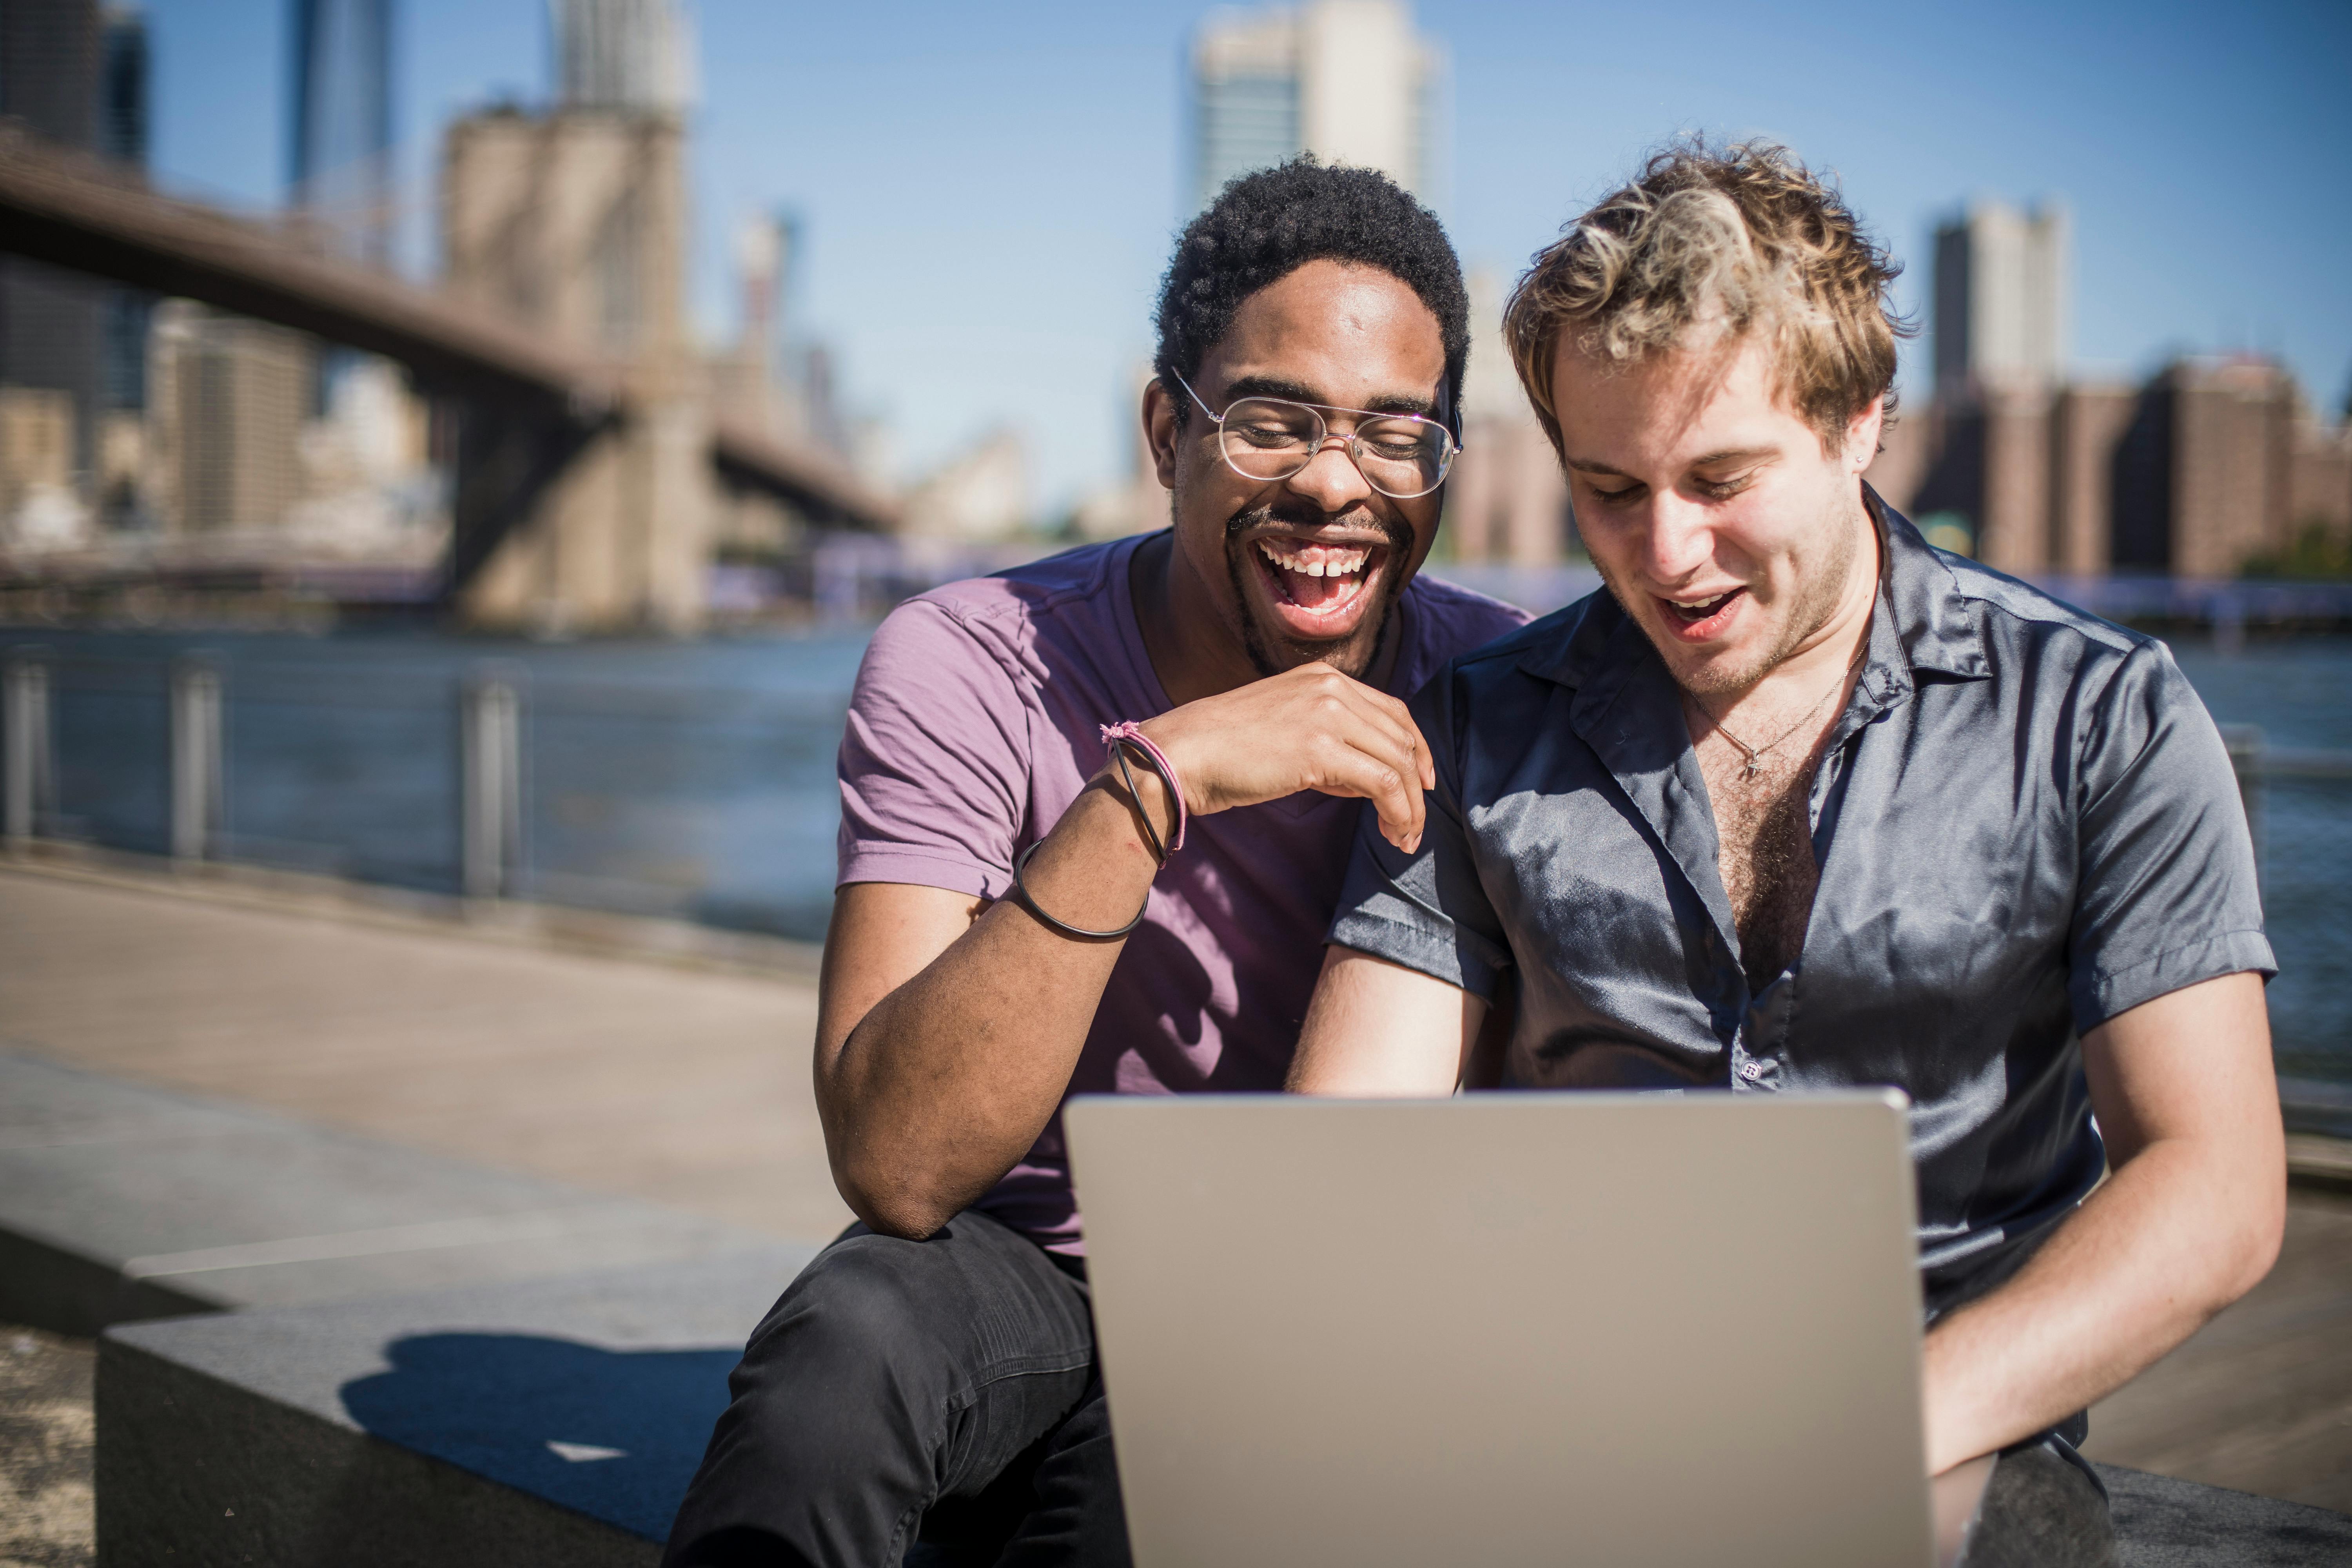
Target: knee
<point x="868" y="1311"/>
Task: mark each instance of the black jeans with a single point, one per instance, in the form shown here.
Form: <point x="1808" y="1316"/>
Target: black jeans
<point x="942" y="1388"/>
<point x="2043" y="1507"/>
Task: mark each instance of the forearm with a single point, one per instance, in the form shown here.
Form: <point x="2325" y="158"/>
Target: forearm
<point x="2166" y="1242"/>
<point x="948" y="1079"/>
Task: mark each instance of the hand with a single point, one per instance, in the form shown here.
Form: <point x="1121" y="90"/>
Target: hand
<point x="1308" y="728"/>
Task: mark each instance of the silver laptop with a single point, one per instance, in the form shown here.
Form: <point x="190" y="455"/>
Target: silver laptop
<point x="1592" y="1328"/>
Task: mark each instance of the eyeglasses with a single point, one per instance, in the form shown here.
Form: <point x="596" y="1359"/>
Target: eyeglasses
<point x="1268" y="439"/>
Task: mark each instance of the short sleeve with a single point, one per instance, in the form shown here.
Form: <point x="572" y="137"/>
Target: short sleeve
<point x="1426" y="910"/>
<point x="2166" y="895"/>
<point x="934" y="764"/>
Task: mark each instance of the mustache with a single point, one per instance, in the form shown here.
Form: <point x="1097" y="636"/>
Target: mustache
<point x="1394" y="532"/>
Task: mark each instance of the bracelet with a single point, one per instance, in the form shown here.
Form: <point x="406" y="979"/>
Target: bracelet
<point x="1079" y="933"/>
<point x="1142" y="811"/>
<point x="1121" y="736"/>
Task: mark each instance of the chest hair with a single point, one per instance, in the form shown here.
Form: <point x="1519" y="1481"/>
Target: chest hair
<point x="1764" y="851"/>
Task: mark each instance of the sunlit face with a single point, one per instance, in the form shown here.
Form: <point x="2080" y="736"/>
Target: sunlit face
<point x="1711" y="509"/>
<point x="1309" y="568"/>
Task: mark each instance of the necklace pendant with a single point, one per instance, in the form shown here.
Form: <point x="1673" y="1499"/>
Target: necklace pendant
<point x="1748" y="772"/>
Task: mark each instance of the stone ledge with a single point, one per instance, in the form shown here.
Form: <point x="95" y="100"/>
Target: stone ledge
<point x="546" y="1421"/>
<point x="119" y="1202"/>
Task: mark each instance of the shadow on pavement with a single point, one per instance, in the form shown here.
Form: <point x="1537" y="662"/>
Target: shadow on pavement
<point x="615" y="1434"/>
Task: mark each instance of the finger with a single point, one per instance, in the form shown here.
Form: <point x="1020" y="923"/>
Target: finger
<point x="1426" y="759"/>
<point x="1392" y="720"/>
<point x="1382" y="778"/>
<point x="1357" y="717"/>
<point x="1387" y="734"/>
<point x="1397" y="718"/>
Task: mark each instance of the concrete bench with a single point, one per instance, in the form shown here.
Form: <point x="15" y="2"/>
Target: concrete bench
<point x="543" y="1422"/>
<point x="119" y="1202"/>
<point x="558" y="1421"/>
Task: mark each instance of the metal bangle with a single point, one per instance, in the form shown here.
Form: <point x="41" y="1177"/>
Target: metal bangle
<point x="1079" y="933"/>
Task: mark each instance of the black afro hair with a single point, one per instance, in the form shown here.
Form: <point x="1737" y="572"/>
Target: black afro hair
<point x="1265" y="226"/>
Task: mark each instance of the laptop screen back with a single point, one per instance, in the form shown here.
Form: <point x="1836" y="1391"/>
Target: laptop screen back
<point x="1508" y="1329"/>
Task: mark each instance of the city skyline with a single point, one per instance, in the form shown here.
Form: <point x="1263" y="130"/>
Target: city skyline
<point x="948" y="136"/>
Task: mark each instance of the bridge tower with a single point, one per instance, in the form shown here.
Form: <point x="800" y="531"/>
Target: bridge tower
<point x="574" y="224"/>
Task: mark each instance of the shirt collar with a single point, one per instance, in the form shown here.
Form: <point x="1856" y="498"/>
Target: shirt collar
<point x="1920" y="622"/>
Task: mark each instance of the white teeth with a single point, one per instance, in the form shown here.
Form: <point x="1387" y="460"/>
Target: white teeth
<point x="1316" y="561"/>
<point x="1703" y="609"/>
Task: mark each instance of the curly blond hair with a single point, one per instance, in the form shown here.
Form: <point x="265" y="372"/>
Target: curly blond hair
<point x="1737" y="240"/>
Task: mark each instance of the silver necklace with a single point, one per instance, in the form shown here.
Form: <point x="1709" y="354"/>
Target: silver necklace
<point x="1751" y="753"/>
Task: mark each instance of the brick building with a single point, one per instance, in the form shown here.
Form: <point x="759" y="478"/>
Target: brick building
<point x="2215" y="466"/>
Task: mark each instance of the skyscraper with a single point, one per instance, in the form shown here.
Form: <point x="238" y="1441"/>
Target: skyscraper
<point x="338" y="159"/>
<point x="121" y="128"/>
<point x="244" y="389"/>
<point x="121" y="135"/>
<point x="2001" y="319"/>
<point x="1345" y="79"/>
<point x="51" y="322"/>
<point x="630" y="55"/>
<point x="2002" y="316"/>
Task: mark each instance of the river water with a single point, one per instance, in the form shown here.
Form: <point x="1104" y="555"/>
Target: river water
<point x="696" y="779"/>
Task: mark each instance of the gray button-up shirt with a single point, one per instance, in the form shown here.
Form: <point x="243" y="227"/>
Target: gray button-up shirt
<point x="2025" y="824"/>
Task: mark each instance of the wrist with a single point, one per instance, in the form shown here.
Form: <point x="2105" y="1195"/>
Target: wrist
<point x="1135" y="753"/>
<point x="1149" y="806"/>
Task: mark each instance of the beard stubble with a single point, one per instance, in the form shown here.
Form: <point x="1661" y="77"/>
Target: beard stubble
<point x="1812" y="607"/>
<point x="1259" y="643"/>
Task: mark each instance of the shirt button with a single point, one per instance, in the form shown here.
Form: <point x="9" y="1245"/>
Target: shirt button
<point x="1751" y="1070"/>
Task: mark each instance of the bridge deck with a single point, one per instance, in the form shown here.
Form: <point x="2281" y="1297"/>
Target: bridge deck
<point x="691" y="1088"/>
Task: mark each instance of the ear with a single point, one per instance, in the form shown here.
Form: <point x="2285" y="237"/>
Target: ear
<point x="1160" y="431"/>
<point x="1861" y="434"/>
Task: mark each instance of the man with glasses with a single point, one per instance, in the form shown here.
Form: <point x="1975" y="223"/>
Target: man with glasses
<point x="1095" y="817"/>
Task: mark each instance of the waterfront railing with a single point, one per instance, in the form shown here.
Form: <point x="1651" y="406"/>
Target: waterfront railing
<point x="487" y="782"/>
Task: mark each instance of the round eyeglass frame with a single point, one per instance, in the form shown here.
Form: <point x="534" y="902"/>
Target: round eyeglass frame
<point x="1353" y="439"/>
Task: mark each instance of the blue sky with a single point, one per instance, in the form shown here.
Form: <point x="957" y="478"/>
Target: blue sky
<point x="988" y="191"/>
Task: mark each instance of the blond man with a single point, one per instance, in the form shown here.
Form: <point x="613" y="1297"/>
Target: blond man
<point x="1801" y="803"/>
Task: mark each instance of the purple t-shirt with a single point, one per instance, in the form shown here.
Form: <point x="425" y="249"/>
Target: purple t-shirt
<point x="976" y="721"/>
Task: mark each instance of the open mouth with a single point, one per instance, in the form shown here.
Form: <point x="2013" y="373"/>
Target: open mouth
<point x="1318" y="588"/>
<point x="1697" y="620"/>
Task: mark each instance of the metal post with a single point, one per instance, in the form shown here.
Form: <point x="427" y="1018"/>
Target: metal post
<point x="2229" y="611"/>
<point x="2245" y="745"/>
<point x="197" y="797"/>
<point x="28" y="793"/>
<point x="491" y="738"/>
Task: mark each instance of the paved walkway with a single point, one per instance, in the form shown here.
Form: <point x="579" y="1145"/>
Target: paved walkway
<point x="680" y="1086"/>
<point x="691" y="1088"/>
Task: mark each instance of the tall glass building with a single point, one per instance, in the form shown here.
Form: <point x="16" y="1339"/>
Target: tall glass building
<point x="52" y="321"/>
<point x="121" y="128"/>
<point x="339" y="161"/>
<point x="1347" y="81"/>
